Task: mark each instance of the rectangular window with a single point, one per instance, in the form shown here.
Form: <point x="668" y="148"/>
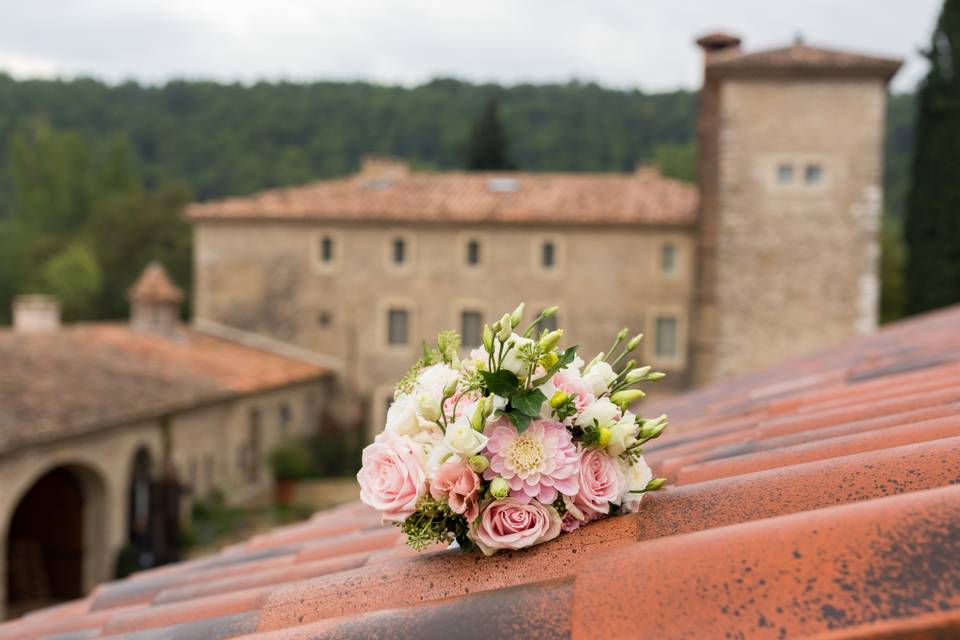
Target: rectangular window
<point x="813" y="174"/>
<point x="668" y="258"/>
<point x="473" y="252"/>
<point x="326" y="249"/>
<point x="471" y="328"/>
<point x="397" y="326"/>
<point x="666" y="343"/>
<point x="785" y="173"/>
<point x="399" y="251"/>
<point x="284" y="418"/>
<point x="548" y="256"/>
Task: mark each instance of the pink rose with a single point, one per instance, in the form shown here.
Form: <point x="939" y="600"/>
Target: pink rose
<point x="458" y="485"/>
<point x="602" y="481"/>
<point x="392" y="478"/>
<point x="571" y="383"/>
<point x="512" y="524"/>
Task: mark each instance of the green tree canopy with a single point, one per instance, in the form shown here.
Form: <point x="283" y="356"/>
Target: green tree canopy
<point x="488" y="142"/>
<point x="933" y="210"/>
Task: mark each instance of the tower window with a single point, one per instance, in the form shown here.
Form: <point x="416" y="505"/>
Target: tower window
<point x="471" y="328"/>
<point x="668" y="258"/>
<point x="548" y="255"/>
<point x="813" y="174"/>
<point x="473" y="252"/>
<point x="785" y="173"/>
<point x="324" y="319"/>
<point x="326" y="249"/>
<point x="397" y="326"/>
<point x="399" y="251"/>
<point x="666" y="342"/>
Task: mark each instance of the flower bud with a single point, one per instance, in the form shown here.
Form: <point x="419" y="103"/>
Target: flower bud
<point x="656" y="375"/>
<point x="505" y="327"/>
<point x="550" y="340"/>
<point x="634" y="341"/>
<point x="655" y="484"/>
<point x="624" y="398"/>
<point x="652" y="429"/>
<point x="478" y="463"/>
<point x="487" y="338"/>
<point x="499" y="487"/>
<point x="477" y="420"/>
<point x="516" y="315"/>
<point x="549" y="311"/>
<point x="487" y="406"/>
<point x="623" y="334"/>
<point x="637" y="374"/>
<point x="429" y="408"/>
<point x="549" y="359"/>
<point x="603" y="439"/>
<point x="450" y="389"/>
<point x="559" y="399"/>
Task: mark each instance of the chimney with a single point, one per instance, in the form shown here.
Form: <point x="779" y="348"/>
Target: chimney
<point x="382" y="171"/>
<point x="36" y="313"/>
<point x="155" y="301"/>
<point x="714" y="44"/>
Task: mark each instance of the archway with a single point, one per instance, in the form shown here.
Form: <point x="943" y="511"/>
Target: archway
<point x="45" y="542"/>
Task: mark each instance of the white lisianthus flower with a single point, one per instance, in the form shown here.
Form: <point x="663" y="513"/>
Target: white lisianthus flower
<point x="463" y="440"/>
<point x="512" y="361"/>
<point x="638" y="475"/>
<point x="623" y="434"/>
<point x="402" y="416"/>
<point x="603" y="411"/>
<point x="433" y="379"/>
<point x="599" y="377"/>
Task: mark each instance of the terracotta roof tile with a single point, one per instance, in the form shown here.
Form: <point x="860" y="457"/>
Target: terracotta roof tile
<point x="818" y="498"/>
<point x="558" y="198"/>
<point x="155" y="285"/>
<point x="801" y="57"/>
<point x="85" y="376"/>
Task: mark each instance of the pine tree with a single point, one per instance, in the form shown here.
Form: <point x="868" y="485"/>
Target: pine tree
<point x="933" y="205"/>
<point x="488" y="142"/>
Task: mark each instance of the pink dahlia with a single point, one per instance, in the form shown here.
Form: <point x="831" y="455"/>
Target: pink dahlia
<point x="537" y="463"/>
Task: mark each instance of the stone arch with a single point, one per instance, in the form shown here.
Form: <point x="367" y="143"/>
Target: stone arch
<point x="53" y="537"/>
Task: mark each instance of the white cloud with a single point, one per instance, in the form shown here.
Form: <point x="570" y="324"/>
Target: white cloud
<point x="623" y="43"/>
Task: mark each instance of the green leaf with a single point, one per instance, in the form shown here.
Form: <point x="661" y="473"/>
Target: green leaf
<point x="528" y="401"/>
<point x="503" y="383"/>
<point x="519" y="420"/>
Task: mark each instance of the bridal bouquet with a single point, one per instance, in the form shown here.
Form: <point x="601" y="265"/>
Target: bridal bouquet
<point x="510" y="446"/>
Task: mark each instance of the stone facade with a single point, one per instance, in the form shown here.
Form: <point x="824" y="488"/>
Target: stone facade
<point x="269" y="277"/>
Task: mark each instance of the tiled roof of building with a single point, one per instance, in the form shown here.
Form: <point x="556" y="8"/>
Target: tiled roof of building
<point x="645" y="197"/>
<point x="155" y="285"/>
<point x="803" y="58"/>
<point x="83" y="377"/>
<point x="819" y="498"/>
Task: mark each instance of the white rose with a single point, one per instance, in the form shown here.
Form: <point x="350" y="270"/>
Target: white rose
<point x="602" y="410"/>
<point x="463" y="440"/>
<point x="623" y="434"/>
<point x="638" y="475"/>
<point x="402" y="416"/>
<point x="599" y="377"/>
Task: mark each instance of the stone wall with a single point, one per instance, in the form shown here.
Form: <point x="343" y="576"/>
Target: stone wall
<point x="268" y="277"/>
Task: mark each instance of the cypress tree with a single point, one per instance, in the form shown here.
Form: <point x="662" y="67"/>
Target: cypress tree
<point x="488" y="143"/>
<point x="933" y="205"/>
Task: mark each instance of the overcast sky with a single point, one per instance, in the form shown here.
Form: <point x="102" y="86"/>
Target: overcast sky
<point x="619" y="43"/>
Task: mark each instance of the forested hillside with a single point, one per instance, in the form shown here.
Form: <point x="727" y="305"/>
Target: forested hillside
<point x="80" y="157"/>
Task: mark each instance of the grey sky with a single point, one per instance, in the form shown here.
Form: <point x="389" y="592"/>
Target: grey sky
<point x="620" y="43"/>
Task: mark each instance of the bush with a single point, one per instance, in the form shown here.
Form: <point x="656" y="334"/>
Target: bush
<point x="291" y="461"/>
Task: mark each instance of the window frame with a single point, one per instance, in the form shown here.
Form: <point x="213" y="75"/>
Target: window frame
<point x="409" y="251"/>
<point x="316" y="240"/>
<point x="539" y="242"/>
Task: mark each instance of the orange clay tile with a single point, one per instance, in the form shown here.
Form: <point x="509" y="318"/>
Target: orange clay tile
<point x="818" y="498"/>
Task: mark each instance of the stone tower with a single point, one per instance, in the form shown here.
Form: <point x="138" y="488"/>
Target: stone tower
<point x="155" y="301"/>
<point x="790" y="171"/>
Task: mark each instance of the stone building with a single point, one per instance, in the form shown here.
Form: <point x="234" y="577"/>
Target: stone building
<point x="103" y="427"/>
<point x="775" y="249"/>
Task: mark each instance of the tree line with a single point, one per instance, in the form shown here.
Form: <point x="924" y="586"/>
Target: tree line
<point x="93" y="176"/>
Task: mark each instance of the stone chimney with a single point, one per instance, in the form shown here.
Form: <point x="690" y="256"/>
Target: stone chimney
<point x="382" y="170"/>
<point x="36" y="313"/>
<point x="154" y="301"/>
<point x="718" y="43"/>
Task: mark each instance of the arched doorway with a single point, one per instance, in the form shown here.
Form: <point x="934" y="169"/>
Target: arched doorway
<point x="45" y="542"/>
